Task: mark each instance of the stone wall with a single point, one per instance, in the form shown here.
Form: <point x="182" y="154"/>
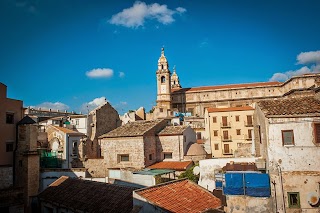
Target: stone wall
<point x="6" y="177"/>
<point x="96" y="168"/>
<point x="132" y="146"/>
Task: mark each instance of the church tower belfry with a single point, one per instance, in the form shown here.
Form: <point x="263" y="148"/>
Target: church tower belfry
<point x="175" y="79"/>
<point x="163" y="86"/>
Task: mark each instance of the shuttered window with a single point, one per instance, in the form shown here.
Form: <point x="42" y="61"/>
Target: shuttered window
<point x="287" y="137"/>
<point x="317" y="133"/>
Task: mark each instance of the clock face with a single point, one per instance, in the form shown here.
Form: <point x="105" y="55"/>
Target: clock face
<point x="163" y="88"/>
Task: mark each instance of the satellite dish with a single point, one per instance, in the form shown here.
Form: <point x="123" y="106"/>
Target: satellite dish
<point x="196" y="170"/>
<point x="313" y="199"/>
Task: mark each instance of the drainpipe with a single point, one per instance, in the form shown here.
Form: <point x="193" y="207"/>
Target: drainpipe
<point x="275" y="194"/>
<point x="281" y="182"/>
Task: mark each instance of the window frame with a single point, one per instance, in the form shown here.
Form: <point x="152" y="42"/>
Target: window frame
<point x="237" y="117"/>
<point x="214" y="133"/>
<point x="282" y="135"/>
<point x="167" y="153"/>
<point x="9" y="145"/>
<point x="238" y="131"/>
<point x="9" y="120"/>
<point x="290" y="204"/>
<point x="216" y="146"/>
<point x="316" y="128"/>
<point x="121" y="156"/>
<point x="214" y="119"/>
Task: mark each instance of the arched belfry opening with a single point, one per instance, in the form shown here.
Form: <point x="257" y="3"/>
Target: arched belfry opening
<point x="163" y="79"/>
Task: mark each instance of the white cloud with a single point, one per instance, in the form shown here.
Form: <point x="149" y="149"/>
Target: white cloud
<point x="121" y="74"/>
<point x="93" y="104"/>
<point x="181" y="9"/>
<point x="136" y="15"/>
<point x="312" y="57"/>
<point x="100" y="73"/>
<point x="309" y="57"/>
<point x="51" y="105"/>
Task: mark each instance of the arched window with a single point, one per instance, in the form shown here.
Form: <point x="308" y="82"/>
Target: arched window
<point x="163" y="79"/>
<point x="174" y="82"/>
<point x="162" y="66"/>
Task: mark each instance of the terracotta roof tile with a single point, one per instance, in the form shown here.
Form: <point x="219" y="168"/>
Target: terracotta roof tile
<point x="89" y="196"/>
<point x="173" y="130"/>
<point x="292" y="106"/>
<point x="230" y="86"/>
<point x="137" y="128"/>
<point x="180" y="196"/>
<point x="175" y="165"/>
<point x="228" y="109"/>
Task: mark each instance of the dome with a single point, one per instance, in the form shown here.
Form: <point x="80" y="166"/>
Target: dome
<point x="196" y="149"/>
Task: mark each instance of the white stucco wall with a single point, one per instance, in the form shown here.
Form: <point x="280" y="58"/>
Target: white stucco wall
<point x="208" y="167"/>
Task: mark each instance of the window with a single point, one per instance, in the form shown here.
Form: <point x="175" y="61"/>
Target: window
<point x="237" y="117"/>
<point x="9" y="147"/>
<point x="161" y="109"/>
<point x="74" y="147"/>
<point x="198" y="135"/>
<point x="249" y="120"/>
<point x="215" y="132"/>
<point x="9" y="118"/>
<point x="150" y="156"/>
<point x="77" y="121"/>
<point x="216" y="146"/>
<point x="163" y="79"/>
<point x="167" y="155"/>
<point x="250" y="133"/>
<point x="124" y="158"/>
<point x="293" y="199"/>
<point x="226" y="148"/>
<point x="214" y="119"/>
<point x="287" y="137"/>
<point x="224" y="121"/>
<point x="238" y="131"/>
<point x="225" y="135"/>
<point x="317" y="132"/>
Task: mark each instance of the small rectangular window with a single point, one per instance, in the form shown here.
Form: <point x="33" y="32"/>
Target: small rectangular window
<point x="124" y="158"/>
<point x="238" y="131"/>
<point x="161" y="109"/>
<point x="9" y="118"/>
<point x="293" y="199"/>
<point x="215" y="132"/>
<point x="287" y="137"/>
<point x="167" y="155"/>
<point x="317" y="132"/>
<point x="198" y="135"/>
<point x="237" y="117"/>
<point x="9" y="147"/>
<point x="214" y="119"/>
<point x="216" y="146"/>
<point x="150" y="156"/>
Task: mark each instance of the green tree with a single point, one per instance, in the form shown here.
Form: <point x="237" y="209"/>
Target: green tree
<point x="189" y="174"/>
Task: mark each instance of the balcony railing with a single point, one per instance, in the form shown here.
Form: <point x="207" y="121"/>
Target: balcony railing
<point x="226" y="138"/>
<point x="248" y="124"/>
<point x="227" y="152"/>
<point x="225" y="125"/>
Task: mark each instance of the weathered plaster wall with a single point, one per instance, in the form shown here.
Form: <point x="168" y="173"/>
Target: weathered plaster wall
<point x="246" y="204"/>
<point x="208" y="167"/>
<point x="6" y="180"/>
<point x="96" y="167"/>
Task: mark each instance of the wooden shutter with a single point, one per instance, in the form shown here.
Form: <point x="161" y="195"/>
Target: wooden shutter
<point x="317" y="133"/>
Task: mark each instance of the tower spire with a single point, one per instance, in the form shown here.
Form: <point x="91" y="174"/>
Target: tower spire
<point x="162" y="51"/>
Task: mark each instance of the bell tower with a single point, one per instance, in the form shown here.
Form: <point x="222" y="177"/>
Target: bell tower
<point x="163" y="85"/>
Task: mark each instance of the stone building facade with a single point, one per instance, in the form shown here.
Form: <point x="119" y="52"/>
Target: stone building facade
<point x="288" y="139"/>
<point x="172" y="98"/>
<point x="230" y="131"/>
<point x="142" y="143"/>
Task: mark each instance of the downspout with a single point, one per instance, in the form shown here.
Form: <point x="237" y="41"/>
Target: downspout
<point x="281" y="181"/>
<point x="275" y="194"/>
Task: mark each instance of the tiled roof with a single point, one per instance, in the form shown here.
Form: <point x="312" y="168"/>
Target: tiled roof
<point x="175" y="165"/>
<point x="68" y="131"/>
<point x="173" y="130"/>
<point x="230" y="86"/>
<point x="137" y="128"/>
<point x="229" y="109"/>
<point x="292" y="106"/>
<point x="180" y="196"/>
<point x="88" y="196"/>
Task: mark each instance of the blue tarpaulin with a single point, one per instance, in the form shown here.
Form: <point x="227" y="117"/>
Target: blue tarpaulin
<point x="251" y="184"/>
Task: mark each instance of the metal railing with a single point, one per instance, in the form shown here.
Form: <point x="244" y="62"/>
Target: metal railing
<point x="225" y="139"/>
<point x="225" y="125"/>
<point x="227" y="152"/>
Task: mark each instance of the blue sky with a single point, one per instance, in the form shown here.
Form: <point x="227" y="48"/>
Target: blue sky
<point x="70" y="54"/>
